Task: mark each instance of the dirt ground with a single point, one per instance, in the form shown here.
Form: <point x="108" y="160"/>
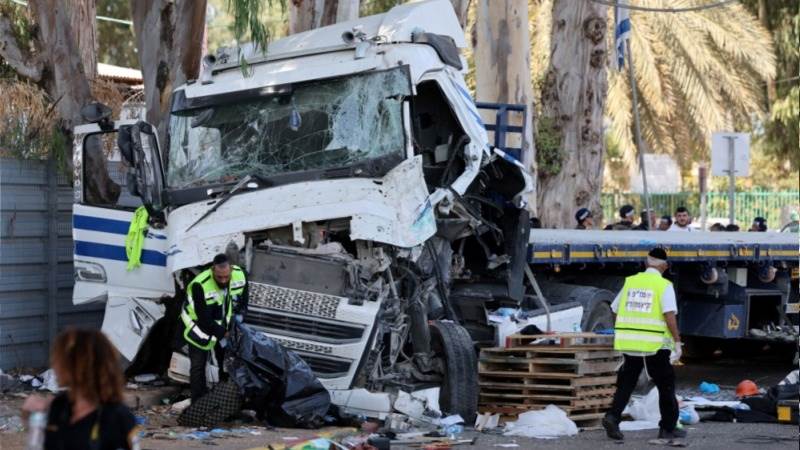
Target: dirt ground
<point x="161" y="431"/>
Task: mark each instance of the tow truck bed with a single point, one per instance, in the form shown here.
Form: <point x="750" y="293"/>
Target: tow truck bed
<point x="588" y="246"/>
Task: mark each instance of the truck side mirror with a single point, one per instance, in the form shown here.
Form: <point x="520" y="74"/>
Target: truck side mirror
<point x="147" y="170"/>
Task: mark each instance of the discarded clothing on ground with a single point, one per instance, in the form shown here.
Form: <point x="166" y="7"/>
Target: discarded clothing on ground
<point x="275" y="382"/>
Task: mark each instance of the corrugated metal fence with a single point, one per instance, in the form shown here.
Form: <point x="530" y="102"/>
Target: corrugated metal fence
<point x="36" y="263"/>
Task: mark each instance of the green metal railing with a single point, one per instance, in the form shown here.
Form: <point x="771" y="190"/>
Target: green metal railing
<point x="749" y="205"/>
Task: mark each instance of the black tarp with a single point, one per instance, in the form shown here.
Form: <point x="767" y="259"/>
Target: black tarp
<point x="275" y="382"/>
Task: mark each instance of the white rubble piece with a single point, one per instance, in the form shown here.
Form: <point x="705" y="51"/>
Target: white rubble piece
<point x="565" y="320"/>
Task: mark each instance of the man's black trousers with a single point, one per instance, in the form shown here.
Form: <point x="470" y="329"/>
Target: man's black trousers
<point x="197" y="370"/>
<point x="663" y="375"/>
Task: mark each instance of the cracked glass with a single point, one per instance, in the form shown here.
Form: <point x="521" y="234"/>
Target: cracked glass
<point x="318" y="125"/>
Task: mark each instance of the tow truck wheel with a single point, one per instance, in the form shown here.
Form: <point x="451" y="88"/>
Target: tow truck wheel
<point x="459" y="390"/>
<point x="600" y="318"/>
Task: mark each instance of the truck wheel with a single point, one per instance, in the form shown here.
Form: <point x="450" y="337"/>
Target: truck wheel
<point x="601" y="318"/>
<point x="459" y="390"/>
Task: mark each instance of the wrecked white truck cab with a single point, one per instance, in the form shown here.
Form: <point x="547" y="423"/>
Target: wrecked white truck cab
<point x="350" y="173"/>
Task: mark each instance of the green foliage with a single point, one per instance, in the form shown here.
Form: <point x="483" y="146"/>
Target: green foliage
<point x="23" y="32"/>
<point x="549" y="155"/>
<point x="372" y="7"/>
<point x="780" y="139"/>
<point x="116" y="42"/>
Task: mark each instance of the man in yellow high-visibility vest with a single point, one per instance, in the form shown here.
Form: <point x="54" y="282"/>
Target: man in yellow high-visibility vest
<point x="646" y="332"/>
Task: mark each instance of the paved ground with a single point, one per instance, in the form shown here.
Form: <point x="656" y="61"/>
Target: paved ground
<point x="763" y="368"/>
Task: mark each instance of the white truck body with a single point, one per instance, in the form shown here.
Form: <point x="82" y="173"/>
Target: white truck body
<point x="354" y="223"/>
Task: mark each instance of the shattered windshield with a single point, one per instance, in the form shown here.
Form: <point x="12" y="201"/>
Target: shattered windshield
<point x="316" y="125"/>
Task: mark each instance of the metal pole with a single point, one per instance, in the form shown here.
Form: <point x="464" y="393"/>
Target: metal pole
<point x="637" y="128"/>
<point x="52" y="248"/>
<point x="703" y="178"/>
<point x="731" y="181"/>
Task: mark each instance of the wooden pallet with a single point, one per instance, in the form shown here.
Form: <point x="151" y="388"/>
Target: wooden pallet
<point x="574" y="371"/>
<point x="572" y="340"/>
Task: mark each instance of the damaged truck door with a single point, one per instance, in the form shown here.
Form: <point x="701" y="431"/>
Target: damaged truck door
<point x="108" y="188"/>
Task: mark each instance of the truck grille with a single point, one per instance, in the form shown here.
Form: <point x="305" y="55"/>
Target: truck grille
<point x="293" y="300"/>
<point x="306" y="327"/>
<point x="326" y="367"/>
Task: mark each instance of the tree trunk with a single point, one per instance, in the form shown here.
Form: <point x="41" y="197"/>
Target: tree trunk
<point x="461" y="7"/>
<point x="82" y="20"/>
<point x="306" y="15"/>
<point x="169" y="39"/>
<point x="335" y="11"/>
<point x="503" y="68"/>
<point x="573" y="98"/>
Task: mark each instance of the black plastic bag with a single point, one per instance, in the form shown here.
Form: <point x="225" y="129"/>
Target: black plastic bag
<point x="276" y="382"/>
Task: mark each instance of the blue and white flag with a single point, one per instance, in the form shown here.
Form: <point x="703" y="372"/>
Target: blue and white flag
<point x="622" y="32"/>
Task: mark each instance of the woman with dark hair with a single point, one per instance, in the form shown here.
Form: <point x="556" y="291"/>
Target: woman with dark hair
<point x="90" y="413"/>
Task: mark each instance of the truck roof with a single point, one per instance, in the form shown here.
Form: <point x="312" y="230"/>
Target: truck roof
<point x="590" y="246"/>
<point x="394" y="26"/>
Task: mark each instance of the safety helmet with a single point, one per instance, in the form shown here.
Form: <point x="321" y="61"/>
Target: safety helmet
<point x="746" y="388"/>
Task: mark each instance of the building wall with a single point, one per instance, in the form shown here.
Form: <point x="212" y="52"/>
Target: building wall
<point x="36" y="263"/>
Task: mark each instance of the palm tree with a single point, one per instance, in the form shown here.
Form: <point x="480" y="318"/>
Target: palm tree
<point x="697" y="72"/>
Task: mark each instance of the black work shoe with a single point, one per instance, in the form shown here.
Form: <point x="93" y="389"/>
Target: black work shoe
<point x="677" y="433"/>
<point x="612" y="428"/>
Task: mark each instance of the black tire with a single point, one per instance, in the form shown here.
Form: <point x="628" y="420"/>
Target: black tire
<point x="210" y="410"/>
<point x="600" y="318"/>
<point x="459" y="390"/>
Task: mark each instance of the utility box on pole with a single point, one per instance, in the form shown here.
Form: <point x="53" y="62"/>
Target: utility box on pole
<point x="730" y="156"/>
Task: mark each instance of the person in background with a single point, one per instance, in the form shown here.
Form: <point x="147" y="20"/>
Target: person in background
<point x="682" y="220"/>
<point x="665" y="223"/>
<point x="536" y="223"/>
<point x="90" y="413"/>
<point x="717" y="227"/>
<point x="794" y="225"/>
<point x="585" y="219"/>
<point x="759" y="225"/>
<point x="646" y="332"/>
<point x="626" y="214"/>
<point x="648" y="220"/>
<point x="732" y="227"/>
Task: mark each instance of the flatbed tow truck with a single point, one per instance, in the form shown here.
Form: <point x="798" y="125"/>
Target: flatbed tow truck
<point x="350" y="173"/>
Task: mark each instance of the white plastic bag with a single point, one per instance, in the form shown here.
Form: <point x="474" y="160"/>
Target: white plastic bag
<point x="645" y="408"/>
<point x="548" y="423"/>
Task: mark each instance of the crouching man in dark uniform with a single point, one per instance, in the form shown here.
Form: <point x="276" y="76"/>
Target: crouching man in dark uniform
<point x="212" y="298"/>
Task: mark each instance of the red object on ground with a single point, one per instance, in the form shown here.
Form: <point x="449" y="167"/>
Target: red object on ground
<point x="746" y="388"/>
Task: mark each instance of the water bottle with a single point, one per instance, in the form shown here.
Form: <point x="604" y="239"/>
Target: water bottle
<point x="36" y="424"/>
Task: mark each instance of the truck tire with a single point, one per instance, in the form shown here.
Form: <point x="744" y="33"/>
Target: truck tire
<point x="459" y="390"/>
<point x="600" y="318"/>
<point x="595" y="301"/>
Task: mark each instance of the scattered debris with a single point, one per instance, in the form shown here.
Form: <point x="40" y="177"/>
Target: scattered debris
<point x="549" y="423"/>
<point x="487" y="421"/>
<point x="49" y="381"/>
<point x="178" y="407"/>
<point x="688" y="415"/>
<point x="709" y="388"/>
<point x="11" y="424"/>
<point x="145" y="378"/>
